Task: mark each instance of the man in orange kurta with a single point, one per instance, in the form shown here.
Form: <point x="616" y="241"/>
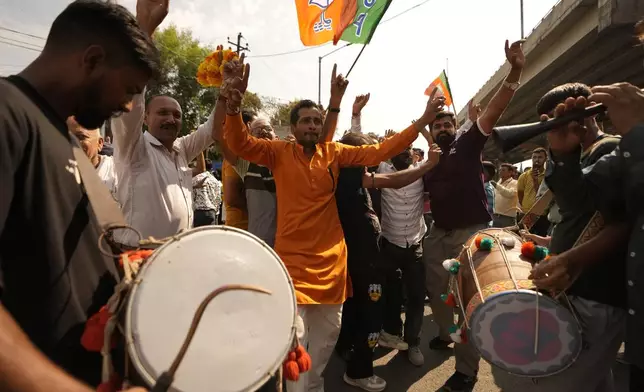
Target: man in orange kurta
<point x="309" y="237"/>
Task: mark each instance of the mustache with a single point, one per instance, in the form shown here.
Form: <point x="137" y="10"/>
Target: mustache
<point x="169" y="126"/>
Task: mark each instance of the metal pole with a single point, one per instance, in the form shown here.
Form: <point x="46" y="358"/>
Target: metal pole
<point x="319" y="80"/>
<point x="522" y="30"/>
<point x="239" y="37"/>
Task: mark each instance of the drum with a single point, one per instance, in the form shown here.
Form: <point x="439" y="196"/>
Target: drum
<point x="512" y="325"/>
<point x="243" y="336"/>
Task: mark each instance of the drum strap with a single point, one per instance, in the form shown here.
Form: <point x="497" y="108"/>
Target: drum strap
<point x="108" y="214"/>
<point x="537" y="210"/>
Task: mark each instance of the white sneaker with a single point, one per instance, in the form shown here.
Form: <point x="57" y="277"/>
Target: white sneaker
<point x="371" y="384"/>
<point x="392" y="341"/>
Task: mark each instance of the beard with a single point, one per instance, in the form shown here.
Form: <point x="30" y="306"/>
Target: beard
<point x="445" y="139"/>
<point x="90" y="115"/>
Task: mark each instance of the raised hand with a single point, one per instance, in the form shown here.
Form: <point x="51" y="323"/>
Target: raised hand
<point x="434" y="154"/>
<point x="151" y="13"/>
<point x="338" y="87"/>
<point x="514" y="54"/>
<point x="567" y="138"/>
<point x="435" y="104"/>
<point x="473" y="111"/>
<point x="236" y="75"/>
<point x="359" y="103"/>
<point x="389" y="133"/>
<point x="625" y="104"/>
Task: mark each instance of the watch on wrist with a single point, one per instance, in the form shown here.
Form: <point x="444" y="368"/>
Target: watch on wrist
<point x="512" y="86"/>
<point x="232" y="109"/>
<point x="334" y="110"/>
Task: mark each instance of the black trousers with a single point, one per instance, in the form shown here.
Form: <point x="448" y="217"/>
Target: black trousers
<point x="362" y="313"/>
<point x="204" y="218"/>
<point x="412" y="281"/>
<point x="636" y="382"/>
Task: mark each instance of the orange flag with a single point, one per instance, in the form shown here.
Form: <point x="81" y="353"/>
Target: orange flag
<point x="443" y="88"/>
<point x="321" y="21"/>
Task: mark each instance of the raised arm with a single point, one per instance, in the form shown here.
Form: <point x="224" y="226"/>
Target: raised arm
<point x="199" y="140"/>
<point x="219" y="118"/>
<point x="503" y="96"/>
<point x="127" y="129"/>
<point x="338" y="87"/>
<point x="402" y="178"/>
<point x="239" y="141"/>
<point x="373" y="154"/>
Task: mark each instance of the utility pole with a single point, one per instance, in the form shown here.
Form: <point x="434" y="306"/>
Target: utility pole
<point x="522" y="30"/>
<point x="238" y="47"/>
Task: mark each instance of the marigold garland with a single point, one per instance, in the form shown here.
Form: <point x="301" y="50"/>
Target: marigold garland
<point x="210" y="71"/>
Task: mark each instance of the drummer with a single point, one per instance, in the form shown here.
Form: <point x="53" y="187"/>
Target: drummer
<point x="52" y="275"/>
<point x="459" y="209"/>
<point x="598" y="296"/>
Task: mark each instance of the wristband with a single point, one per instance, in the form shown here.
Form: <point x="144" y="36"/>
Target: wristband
<point x="334" y="110"/>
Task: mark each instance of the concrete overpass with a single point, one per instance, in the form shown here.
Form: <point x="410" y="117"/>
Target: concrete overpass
<point x="588" y="41"/>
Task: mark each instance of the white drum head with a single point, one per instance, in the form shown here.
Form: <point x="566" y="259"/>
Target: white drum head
<point x="243" y="337"/>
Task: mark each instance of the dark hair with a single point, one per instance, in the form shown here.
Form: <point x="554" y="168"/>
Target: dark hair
<point x="95" y="22"/>
<point x="303" y="104"/>
<point x="355" y="139"/>
<point x="420" y="152"/>
<point x="559" y="94"/>
<point x="248" y="116"/>
<point x="444" y="114"/>
<point x="490" y="168"/>
<point x="508" y="165"/>
<point x="540" y="150"/>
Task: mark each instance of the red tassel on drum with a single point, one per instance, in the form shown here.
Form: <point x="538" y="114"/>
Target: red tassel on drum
<point x="303" y="359"/>
<point x="298" y="361"/>
<point x="463" y="336"/>
<point x="527" y="249"/>
<point x="94" y="333"/>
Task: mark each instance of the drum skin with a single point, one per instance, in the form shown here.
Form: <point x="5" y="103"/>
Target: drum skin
<point x="243" y="337"/>
<point x="503" y="324"/>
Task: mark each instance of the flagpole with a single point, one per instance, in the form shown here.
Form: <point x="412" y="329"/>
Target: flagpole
<point x="356" y="60"/>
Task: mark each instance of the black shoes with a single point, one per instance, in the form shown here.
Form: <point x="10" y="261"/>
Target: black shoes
<point x="438" y="344"/>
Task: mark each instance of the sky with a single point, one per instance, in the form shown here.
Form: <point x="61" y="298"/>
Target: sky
<point x="466" y="37"/>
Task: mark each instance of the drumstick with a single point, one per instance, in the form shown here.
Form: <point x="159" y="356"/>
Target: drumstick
<point x="536" y="327"/>
<point x="164" y="381"/>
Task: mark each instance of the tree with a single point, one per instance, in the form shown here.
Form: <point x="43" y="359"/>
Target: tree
<point x="181" y="55"/>
<point x="282" y="113"/>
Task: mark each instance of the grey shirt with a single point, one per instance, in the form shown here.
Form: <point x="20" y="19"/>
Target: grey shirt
<point x="615" y="181"/>
<point x="260" y="199"/>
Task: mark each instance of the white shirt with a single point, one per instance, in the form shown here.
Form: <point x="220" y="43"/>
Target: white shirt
<point x="402" y="211"/>
<point x="106" y="172"/>
<point x="155" y="185"/>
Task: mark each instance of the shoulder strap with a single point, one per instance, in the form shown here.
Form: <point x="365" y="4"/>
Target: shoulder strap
<point x="594" y="147"/>
<point x="108" y="214"/>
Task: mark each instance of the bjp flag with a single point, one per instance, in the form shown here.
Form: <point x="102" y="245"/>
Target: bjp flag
<point x="443" y="88"/>
<point x="353" y="21"/>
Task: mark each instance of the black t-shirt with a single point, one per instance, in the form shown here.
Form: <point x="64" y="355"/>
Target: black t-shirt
<point x="455" y="185"/>
<point x="358" y="218"/>
<point x="602" y="282"/>
<point x="52" y="275"/>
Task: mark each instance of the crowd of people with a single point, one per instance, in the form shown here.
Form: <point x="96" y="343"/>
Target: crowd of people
<point x="363" y="224"/>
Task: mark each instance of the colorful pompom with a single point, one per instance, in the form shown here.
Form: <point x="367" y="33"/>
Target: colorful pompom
<point x="298" y="361"/>
<point x="456" y="335"/>
<point x="453" y="329"/>
<point x="527" y="250"/>
<point x="449" y="299"/>
<point x="540" y="253"/>
<point x="452" y="266"/>
<point x="486" y="243"/>
<point x="94" y="334"/>
<point x="477" y="241"/>
<point x="508" y="242"/>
